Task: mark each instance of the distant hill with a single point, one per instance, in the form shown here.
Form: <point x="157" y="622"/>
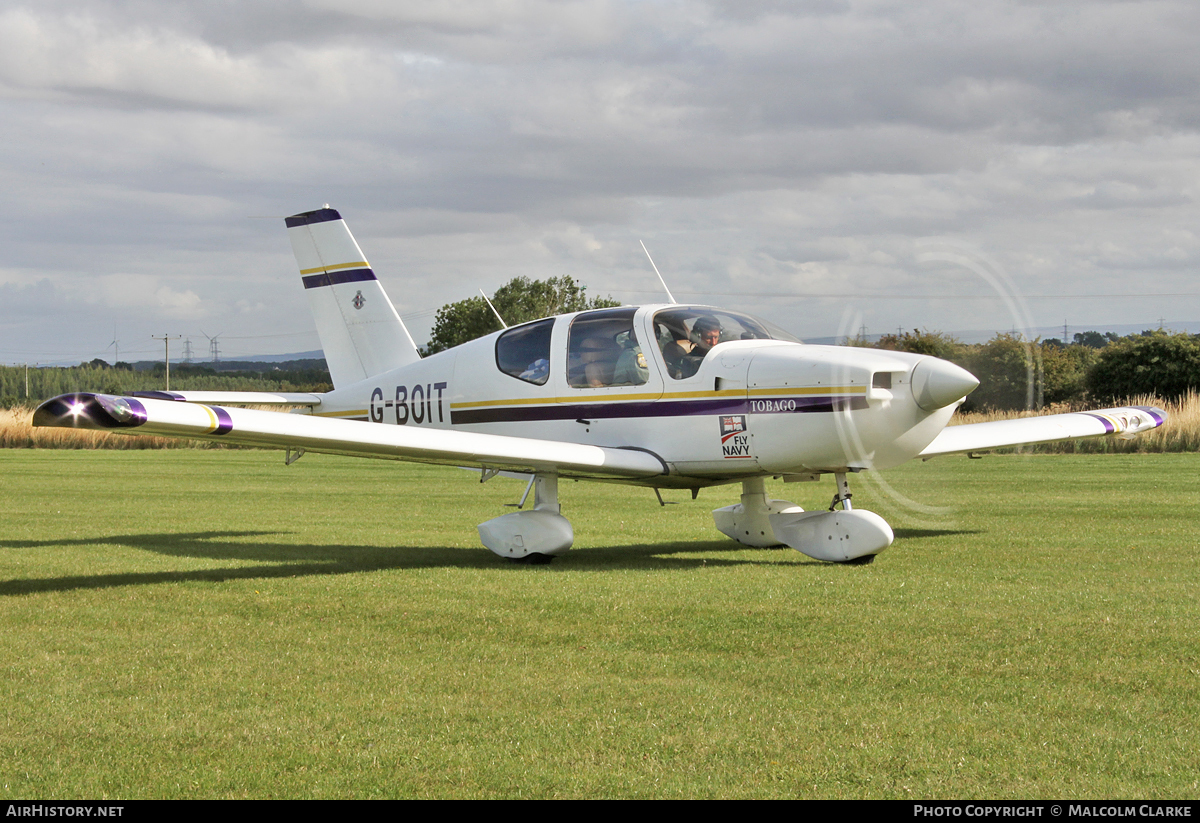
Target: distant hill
<point x="277" y="358"/>
<point x="263" y="366"/>
<point x="1042" y="332"/>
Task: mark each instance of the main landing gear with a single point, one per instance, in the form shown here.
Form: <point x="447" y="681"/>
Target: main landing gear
<point x="534" y="536"/>
<point x="847" y="535"/>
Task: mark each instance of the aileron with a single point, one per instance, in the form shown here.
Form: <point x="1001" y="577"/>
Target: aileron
<point x="976" y="437"/>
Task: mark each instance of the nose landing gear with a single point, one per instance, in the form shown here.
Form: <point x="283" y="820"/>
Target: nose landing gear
<point x="845" y="535"/>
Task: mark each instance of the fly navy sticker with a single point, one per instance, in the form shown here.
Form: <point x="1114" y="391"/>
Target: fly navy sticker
<point x="358" y="300"/>
<point x="735" y="440"/>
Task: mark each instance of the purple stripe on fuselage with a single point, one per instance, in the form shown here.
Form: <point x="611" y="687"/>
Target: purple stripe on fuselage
<point x="224" y="421"/>
<point x="1109" y="428"/>
<point x="308" y="218"/>
<point x="1153" y="412"/>
<point x="660" y="408"/>
<point x="333" y="278"/>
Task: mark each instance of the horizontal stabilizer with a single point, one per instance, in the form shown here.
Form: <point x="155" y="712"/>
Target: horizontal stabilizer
<point x="976" y="437"/>
<point x="268" y="429"/>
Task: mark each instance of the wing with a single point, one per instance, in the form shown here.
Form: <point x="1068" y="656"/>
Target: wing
<point x="268" y="429"/>
<point x="236" y="398"/>
<point x="975" y="437"/>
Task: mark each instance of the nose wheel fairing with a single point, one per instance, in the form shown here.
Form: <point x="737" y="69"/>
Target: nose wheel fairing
<point x="836" y="536"/>
<point x="748" y="522"/>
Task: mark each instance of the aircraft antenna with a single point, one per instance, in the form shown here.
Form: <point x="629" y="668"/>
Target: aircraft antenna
<point x="656" y="271"/>
<point x="493" y="308"/>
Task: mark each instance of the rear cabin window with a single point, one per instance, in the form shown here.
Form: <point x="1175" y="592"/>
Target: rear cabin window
<point x="524" y="352"/>
<point x="603" y="351"/>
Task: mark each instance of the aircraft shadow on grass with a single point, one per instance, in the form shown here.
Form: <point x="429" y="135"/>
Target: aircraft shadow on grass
<point x="913" y="534"/>
<point x="281" y="560"/>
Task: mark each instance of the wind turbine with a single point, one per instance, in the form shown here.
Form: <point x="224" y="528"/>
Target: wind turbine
<point x="213" y="348"/>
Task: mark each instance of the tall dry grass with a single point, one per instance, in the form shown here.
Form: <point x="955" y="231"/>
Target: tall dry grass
<point x="1181" y="432"/>
<point x="17" y="432"/>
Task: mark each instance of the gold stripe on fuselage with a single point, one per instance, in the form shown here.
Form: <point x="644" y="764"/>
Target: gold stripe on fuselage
<point x="347" y="413"/>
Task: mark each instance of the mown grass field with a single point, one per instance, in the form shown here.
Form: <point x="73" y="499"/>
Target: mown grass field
<point x="191" y="623"/>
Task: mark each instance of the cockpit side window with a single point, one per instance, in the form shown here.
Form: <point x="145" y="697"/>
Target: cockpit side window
<point x="687" y="334"/>
<point x="524" y="352"/>
<point x="603" y="350"/>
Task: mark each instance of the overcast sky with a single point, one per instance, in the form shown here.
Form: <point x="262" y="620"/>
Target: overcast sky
<point x="827" y="165"/>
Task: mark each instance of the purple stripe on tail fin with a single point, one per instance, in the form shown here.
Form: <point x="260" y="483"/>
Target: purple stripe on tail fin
<point x="308" y="218"/>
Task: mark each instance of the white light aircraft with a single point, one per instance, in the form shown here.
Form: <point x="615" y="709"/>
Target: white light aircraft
<point x="661" y="396"/>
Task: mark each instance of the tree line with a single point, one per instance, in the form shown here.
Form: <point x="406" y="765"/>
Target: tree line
<point x="98" y="376"/>
<point x="1013" y="373"/>
<point x="1095" y="368"/>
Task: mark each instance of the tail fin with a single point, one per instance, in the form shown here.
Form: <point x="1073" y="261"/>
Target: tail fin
<point x="359" y="329"/>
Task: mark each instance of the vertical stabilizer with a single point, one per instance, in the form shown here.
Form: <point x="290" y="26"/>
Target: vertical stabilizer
<point x="360" y="331"/>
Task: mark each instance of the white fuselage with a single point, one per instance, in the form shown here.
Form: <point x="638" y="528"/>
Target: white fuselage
<point x="753" y="407"/>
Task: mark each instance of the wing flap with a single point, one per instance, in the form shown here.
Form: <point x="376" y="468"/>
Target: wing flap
<point x="975" y="437"/>
<point x="267" y="429"/>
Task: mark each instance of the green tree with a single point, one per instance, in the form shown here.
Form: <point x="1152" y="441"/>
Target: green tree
<point x="518" y="301"/>
<point x="1065" y="370"/>
<point x="1158" y="363"/>
<point x="1009" y="369"/>
<point x="925" y="342"/>
<point x="1013" y="374"/>
<point x="1094" y="339"/>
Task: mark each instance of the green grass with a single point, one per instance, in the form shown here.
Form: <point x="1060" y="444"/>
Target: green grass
<point x="215" y="624"/>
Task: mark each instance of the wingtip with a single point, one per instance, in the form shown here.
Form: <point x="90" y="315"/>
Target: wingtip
<point x="84" y="410"/>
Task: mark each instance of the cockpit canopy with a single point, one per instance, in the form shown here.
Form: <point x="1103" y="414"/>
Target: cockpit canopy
<point x="685" y="335"/>
<point x="604" y="348"/>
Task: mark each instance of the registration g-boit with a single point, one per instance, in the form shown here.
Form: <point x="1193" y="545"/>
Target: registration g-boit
<point x="663" y="396"/>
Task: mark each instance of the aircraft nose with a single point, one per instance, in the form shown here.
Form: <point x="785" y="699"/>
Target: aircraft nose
<point x="937" y="383"/>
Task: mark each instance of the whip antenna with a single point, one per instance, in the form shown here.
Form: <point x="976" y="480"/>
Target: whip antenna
<point x="493" y="308"/>
<point x="656" y="271"/>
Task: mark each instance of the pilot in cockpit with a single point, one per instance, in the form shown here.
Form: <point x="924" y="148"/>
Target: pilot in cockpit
<point x="684" y="354"/>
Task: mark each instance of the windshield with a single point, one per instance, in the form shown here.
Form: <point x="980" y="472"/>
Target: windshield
<point x="686" y="334"/>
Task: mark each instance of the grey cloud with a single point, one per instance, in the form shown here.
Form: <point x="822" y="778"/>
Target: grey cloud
<point x="756" y="143"/>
